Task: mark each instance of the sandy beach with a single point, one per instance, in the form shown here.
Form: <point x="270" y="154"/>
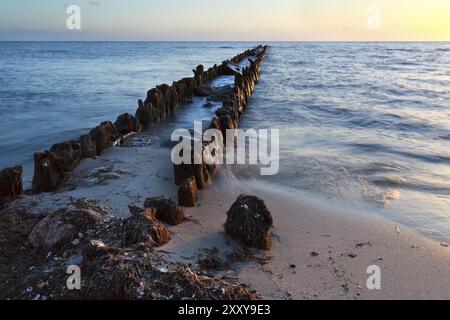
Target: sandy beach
<point x="346" y="242"/>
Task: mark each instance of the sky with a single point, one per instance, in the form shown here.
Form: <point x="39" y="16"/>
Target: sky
<point x="223" y="20"/>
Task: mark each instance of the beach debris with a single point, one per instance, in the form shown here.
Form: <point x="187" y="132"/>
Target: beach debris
<point x="10" y="184"/>
<point x="101" y="175"/>
<point x="397" y="229"/>
<point x="97" y="248"/>
<point x="251" y="226"/>
<point x="314" y="254"/>
<point x="43" y="284"/>
<point x="446" y="245"/>
<point x="141" y="289"/>
<point x="110" y="269"/>
<point x="166" y="210"/>
<point x="142" y="227"/>
<point x="352" y="255"/>
<point x="187" y="193"/>
<point x="61" y="226"/>
<point x="359" y="245"/>
<point x="210" y="260"/>
<point x="138" y="141"/>
<point x="292" y="266"/>
<point x="164" y="270"/>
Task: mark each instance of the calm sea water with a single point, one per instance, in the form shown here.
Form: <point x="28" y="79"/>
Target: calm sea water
<point x="366" y="124"/>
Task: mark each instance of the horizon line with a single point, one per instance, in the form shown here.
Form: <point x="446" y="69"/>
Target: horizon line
<point x="235" y="41"/>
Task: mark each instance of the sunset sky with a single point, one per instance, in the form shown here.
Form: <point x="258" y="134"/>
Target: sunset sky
<point x="226" y="20"/>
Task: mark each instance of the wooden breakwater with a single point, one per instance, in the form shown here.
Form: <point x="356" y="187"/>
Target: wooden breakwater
<point x="52" y="167"/>
<point x="192" y="176"/>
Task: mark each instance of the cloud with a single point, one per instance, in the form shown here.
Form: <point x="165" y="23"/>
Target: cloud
<point x="95" y="3"/>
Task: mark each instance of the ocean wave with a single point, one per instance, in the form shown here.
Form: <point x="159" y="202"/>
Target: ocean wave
<point x="374" y="147"/>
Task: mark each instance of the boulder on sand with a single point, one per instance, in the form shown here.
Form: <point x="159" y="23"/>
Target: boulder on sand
<point x="250" y="222"/>
<point x="10" y="184"/>
<point x="62" y="226"/>
<point x="166" y="210"/>
<point x="187" y="193"/>
<point x="142" y="227"/>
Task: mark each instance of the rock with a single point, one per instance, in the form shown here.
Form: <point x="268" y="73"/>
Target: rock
<point x="48" y="175"/>
<point x="142" y="227"/>
<point x="250" y="222"/>
<point x="88" y="147"/>
<point x="166" y="210"/>
<point x="187" y="193"/>
<point x="10" y="184"/>
<point x="60" y="227"/>
<point x="144" y="113"/>
<point x="104" y="135"/>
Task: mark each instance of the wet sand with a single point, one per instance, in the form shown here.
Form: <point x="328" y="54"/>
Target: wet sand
<point x="412" y="266"/>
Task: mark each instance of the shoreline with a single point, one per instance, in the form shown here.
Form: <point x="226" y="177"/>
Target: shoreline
<point x="319" y="251"/>
<point x="413" y="267"/>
